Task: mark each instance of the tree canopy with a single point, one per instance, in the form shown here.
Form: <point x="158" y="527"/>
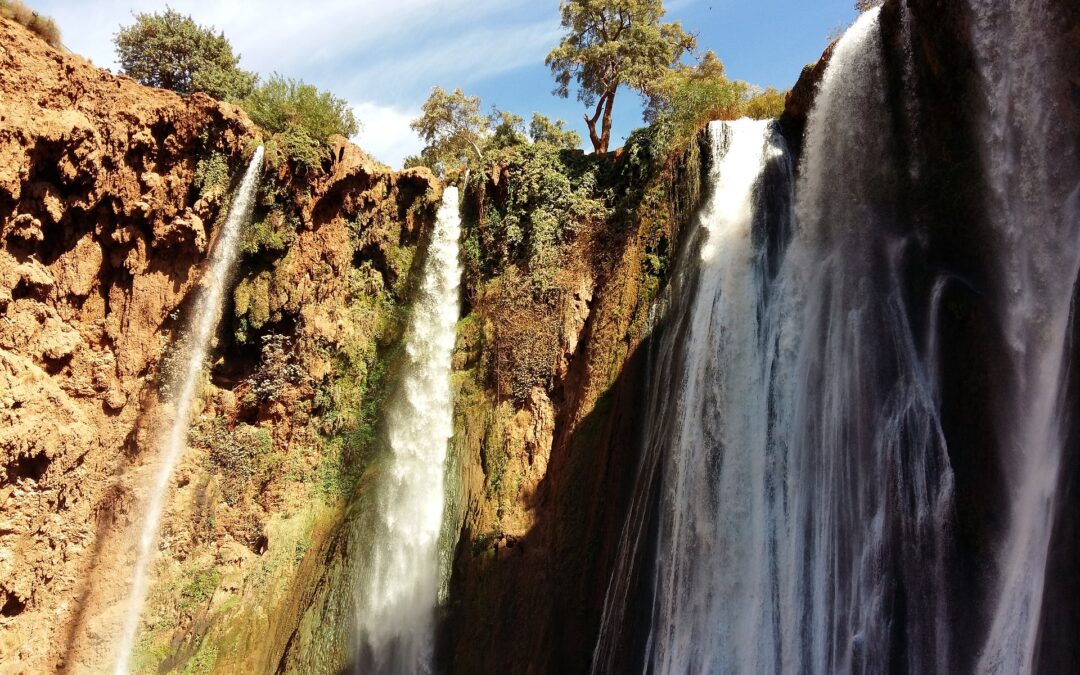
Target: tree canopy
<point x="554" y="133"/>
<point x="610" y="43"/>
<point x="282" y="103"/>
<point x="456" y="132"/>
<point x="169" y="50"/>
<point x="452" y="126"/>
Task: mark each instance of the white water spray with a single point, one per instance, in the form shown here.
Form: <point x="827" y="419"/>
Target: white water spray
<point x="1030" y="162"/>
<point x="204" y="323"/>
<point x="399" y="588"/>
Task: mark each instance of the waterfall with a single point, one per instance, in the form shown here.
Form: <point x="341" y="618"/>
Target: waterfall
<point x="399" y="586"/>
<point x="1030" y="162"/>
<point x="207" y="312"/>
<point x="716" y="502"/>
<point x="805" y="488"/>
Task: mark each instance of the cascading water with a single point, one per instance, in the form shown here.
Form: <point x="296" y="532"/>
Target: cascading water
<point x="207" y="312"/>
<point x="398" y="588"/>
<point x="1031" y="164"/>
<point x="805" y="488"/>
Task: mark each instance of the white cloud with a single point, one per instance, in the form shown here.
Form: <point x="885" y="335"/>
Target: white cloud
<point x="459" y="59"/>
<point x="385" y="132"/>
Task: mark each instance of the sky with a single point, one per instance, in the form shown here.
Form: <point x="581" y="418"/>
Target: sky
<point x="384" y="57"/>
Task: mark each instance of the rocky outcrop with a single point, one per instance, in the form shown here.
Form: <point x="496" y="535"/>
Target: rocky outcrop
<point x="110" y="197"/>
<point x="549" y="400"/>
<point x="101" y="230"/>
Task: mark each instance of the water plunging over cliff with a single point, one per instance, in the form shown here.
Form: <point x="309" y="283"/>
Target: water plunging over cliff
<point x="204" y="321"/>
<point x="1031" y="163"/>
<point x="804" y="485"/>
<point x="398" y="588"/>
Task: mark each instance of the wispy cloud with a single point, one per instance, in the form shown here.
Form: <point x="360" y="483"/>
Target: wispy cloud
<point x="461" y="59"/>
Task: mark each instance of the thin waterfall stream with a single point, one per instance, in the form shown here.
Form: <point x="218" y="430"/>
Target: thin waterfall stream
<point x="205" y="318"/>
<point x="399" y="586"/>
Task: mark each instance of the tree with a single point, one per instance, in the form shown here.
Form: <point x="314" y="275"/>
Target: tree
<point x="863" y="5"/>
<point x="507" y="129"/>
<point x="281" y="104"/>
<point x="610" y="43"/>
<point x="555" y="133"/>
<point x="765" y="104"/>
<point x="683" y="99"/>
<point x="171" y="51"/>
<point x="453" y="128"/>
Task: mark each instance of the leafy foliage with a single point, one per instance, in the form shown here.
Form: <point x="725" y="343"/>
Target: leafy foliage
<point x="274" y="233"/>
<point x="552" y="191"/>
<point x="508" y="130"/>
<point x="242" y="456"/>
<point x="283" y="104"/>
<point x="453" y="127"/>
<point x="42" y="25"/>
<point x="765" y="104"/>
<point x="169" y="50"/>
<point x="300" y="118"/>
<point x="212" y="175"/>
<point x="553" y="133"/>
<point x="458" y="134"/>
<point x="610" y="43"/>
<point x="684" y="99"/>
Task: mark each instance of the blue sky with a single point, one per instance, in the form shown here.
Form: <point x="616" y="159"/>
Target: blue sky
<point x="384" y="57"/>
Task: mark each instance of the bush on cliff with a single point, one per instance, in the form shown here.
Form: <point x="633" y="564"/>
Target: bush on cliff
<point x="300" y="118"/>
<point x="687" y="98"/>
<point x="171" y="51"/>
<point x="40" y="24"/>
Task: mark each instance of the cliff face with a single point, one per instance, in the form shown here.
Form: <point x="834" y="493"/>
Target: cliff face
<point x="549" y="398"/>
<point x="110" y="197"/>
<point x="101" y="232"/>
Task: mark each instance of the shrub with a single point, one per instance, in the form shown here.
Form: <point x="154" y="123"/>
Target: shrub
<point x="686" y="98"/>
<point x="44" y="26"/>
<point x="241" y="456"/>
<point x="171" y="51"/>
<point x="276" y="233"/>
<point x="554" y="133"/>
<point x="552" y="191"/>
<point x="763" y="105"/>
<point x="212" y="175"/>
<point x="281" y="105"/>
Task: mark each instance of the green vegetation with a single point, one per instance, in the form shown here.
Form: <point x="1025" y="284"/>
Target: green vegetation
<point x="282" y="105"/>
<point x="684" y="99"/>
<point x="242" y="456"/>
<point x="200" y="587"/>
<point x="554" y="133"/>
<point x="273" y="233"/>
<point x="212" y="176"/>
<point x="459" y="135"/>
<point x="553" y="193"/>
<point x="454" y="129"/>
<point x="610" y="43"/>
<point x="170" y="50"/>
<point x="44" y="26"/>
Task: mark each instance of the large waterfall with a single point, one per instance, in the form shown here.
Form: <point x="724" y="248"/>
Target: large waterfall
<point x="805" y="490"/>
<point x="1030" y="159"/>
<point x="196" y="344"/>
<point x="861" y="411"/>
<point x="399" y="585"/>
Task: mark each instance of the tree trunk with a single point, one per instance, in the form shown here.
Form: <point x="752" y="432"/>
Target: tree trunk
<point x="602" y="114"/>
<point x="605" y="136"/>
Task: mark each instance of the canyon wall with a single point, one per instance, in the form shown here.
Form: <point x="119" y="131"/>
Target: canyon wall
<point x="111" y="194"/>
